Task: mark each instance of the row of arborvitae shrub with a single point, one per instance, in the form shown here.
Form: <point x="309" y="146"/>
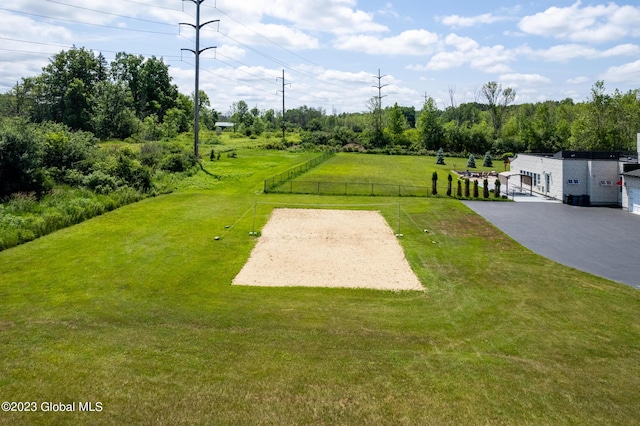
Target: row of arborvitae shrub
<point x="466" y="182"/>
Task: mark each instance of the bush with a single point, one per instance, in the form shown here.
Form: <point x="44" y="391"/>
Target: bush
<point x="150" y="154"/>
<point x="177" y="162"/>
<point x="100" y="182"/>
<point x="316" y="138"/>
<point x="20" y="160"/>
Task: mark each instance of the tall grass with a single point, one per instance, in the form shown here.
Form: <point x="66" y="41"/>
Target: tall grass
<point x="23" y="218"/>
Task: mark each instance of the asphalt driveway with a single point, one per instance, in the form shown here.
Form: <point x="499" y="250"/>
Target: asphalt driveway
<point x="599" y="240"/>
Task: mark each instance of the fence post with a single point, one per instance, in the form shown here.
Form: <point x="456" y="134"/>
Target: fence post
<point x="318" y="187"/>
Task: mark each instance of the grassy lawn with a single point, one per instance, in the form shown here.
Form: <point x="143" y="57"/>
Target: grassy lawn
<point x="134" y="309"/>
<point x="379" y="169"/>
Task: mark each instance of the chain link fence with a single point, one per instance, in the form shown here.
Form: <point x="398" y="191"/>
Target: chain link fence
<point x="271" y="184"/>
<point x="352" y="188"/>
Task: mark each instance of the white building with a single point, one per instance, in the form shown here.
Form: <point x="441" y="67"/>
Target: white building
<point x="579" y="177"/>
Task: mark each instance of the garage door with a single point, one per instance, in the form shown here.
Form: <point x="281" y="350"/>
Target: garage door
<point x="634" y="200"/>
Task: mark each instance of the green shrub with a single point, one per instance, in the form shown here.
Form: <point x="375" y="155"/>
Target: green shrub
<point x="176" y="163"/>
<point x="151" y="154"/>
<point x="100" y="182"/>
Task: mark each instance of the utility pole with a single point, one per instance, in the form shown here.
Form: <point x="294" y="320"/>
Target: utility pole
<point x="379" y="105"/>
<point x="283" y="110"/>
<point x="197" y="51"/>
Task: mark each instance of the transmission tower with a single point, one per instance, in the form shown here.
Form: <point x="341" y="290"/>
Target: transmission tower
<point x="197" y="51"/>
<point x="283" y="110"/>
<point x="379" y="86"/>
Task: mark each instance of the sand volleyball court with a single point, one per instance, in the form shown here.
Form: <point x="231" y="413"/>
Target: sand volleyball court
<point x="328" y="248"/>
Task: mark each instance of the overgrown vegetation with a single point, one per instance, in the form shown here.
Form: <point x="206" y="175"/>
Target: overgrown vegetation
<point x="52" y="177"/>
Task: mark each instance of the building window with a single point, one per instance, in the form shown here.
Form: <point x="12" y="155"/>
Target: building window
<point x="606" y="183"/>
<point x="573" y="181"/>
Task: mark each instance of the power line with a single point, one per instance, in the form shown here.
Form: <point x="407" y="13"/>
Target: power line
<point x="85" y="23"/>
<point x="70" y="47"/>
<point x="109" y="13"/>
<point x="279" y="62"/>
<point x="153" y="5"/>
<point x="267" y="39"/>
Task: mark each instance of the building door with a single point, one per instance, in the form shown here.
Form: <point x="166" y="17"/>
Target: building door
<point x="634" y="200"/>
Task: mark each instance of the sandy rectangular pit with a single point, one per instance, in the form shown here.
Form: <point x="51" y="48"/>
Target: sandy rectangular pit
<point x="328" y="248"/>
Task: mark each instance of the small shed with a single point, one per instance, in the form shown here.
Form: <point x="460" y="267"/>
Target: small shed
<point x="225" y="124"/>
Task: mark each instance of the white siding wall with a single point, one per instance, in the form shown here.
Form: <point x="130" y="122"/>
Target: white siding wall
<point x="554" y="168"/>
<point x="603" y="171"/>
<point x="576" y="170"/>
<point x="570" y="177"/>
<point x="541" y="166"/>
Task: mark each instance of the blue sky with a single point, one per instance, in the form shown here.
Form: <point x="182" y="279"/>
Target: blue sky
<point x="330" y="50"/>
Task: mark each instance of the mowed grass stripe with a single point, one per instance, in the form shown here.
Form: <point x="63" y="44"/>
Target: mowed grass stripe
<point x="136" y="309"/>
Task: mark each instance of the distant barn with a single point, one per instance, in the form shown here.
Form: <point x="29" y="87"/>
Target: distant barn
<point x="224" y="124"/>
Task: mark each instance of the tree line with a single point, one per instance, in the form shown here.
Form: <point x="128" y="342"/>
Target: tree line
<point x="113" y="101"/>
<point x="133" y="97"/>
<point x="603" y="122"/>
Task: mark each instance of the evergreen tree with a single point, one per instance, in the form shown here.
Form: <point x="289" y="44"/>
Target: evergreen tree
<point x="471" y="163"/>
<point x="440" y="157"/>
<point x="434" y="181"/>
<point x="488" y="162"/>
<point x="449" y="179"/>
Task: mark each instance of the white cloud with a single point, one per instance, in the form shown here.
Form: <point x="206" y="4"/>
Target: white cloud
<point x="566" y="52"/>
<point x="231" y="52"/>
<point x="411" y="42"/>
<point x="287" y="37"/>
<point x="333" y="16"/>
<point x="578" y="80"/>
<point x="494" y="59"/>
<point x="458" y="21"/>
<point x="463" y="44"/>
<point x="516" y="80"/>
<point x="595" y="24"/>
<point x="344" y="77"/>
<point x="627" y="73"/>
<point x="388" y="10"/>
